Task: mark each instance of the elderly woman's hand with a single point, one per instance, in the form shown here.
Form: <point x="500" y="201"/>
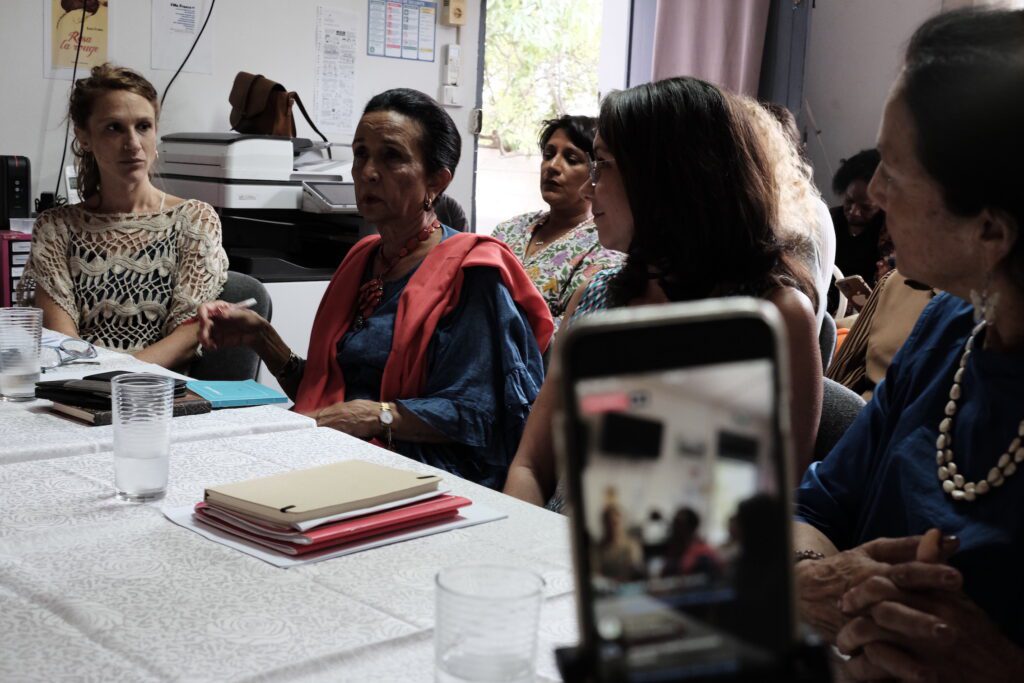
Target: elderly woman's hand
<point x="222" y="324"/>
<point x="359" y="418"/>
<point x="934" y="635"/>
<point x="914" y="623"/>
<point x="821" y="583"/>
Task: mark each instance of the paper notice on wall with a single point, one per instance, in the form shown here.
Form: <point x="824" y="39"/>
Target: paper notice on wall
<point x="404" y="29"/>
<point x="175" y="25"/>
<point x="61" y="31"/>
<point x="335" y="87"/>
<point x="427" y="27"/>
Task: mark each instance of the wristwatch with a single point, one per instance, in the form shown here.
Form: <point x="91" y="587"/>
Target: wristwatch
<point x="386" y="419"/>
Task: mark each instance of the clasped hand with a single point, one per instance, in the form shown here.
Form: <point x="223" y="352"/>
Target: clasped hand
<point x="224" y="325"/>
<point x="913" y="622"/>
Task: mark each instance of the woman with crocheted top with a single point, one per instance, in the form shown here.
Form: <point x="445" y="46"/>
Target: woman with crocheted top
<point x="127" y="266"/>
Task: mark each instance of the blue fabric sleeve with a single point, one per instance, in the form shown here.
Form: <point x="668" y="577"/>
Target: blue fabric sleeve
<point x="831" y="496"/>
<point x="484" y="371"/>
<point x="828" y="497"/>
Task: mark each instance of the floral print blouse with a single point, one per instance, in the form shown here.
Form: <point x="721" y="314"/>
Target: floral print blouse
<point x="560" y="267"/>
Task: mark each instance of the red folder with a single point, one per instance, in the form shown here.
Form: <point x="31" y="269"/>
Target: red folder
<point x="330" y="535"/>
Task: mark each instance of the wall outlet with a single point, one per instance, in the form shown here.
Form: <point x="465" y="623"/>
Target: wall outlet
<point x="450" y="96"/>
<point x="453" y="13"/>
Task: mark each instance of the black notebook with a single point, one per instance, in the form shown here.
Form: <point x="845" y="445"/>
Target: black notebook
<point x="89" y="399"/>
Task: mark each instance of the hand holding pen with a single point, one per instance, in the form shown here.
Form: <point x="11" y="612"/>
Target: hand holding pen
<point x="223" y="324"/>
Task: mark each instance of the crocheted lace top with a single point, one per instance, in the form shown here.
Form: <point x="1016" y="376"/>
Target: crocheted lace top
<point x="127" y="279"/>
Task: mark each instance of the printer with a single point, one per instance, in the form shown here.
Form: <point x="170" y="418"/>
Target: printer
<point x="288" y="213"/>
<point x="239" y="171"/>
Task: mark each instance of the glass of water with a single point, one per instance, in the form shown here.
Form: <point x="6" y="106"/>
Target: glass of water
<point x="143" y="405"/>
<point x="486" y="626"/>
<point x="20" y="333"/>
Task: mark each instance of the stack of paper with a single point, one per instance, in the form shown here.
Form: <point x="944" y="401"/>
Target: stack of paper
<point x="305" y="511"/>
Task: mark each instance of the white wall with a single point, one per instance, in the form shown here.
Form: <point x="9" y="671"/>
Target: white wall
<point x="853" y="57"/>
<point x="260" y="36"/>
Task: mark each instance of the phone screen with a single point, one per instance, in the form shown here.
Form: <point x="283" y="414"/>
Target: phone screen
<point x="685" y="527"/>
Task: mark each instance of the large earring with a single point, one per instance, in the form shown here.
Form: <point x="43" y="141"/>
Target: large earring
<point x="985" y="304"/>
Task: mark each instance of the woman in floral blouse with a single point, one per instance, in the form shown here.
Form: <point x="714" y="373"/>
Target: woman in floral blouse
<point x="559" y="247"/>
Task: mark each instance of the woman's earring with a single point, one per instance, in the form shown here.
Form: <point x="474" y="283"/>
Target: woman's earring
<point x="428" y="203"/>
<point x="984" y="304"/>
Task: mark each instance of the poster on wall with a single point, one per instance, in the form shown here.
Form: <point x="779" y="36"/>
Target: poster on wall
<point x="335" y="87"/>
<point x="175" y="25"/>
<point x="62" y="28"/>
<point x="402" y="29"/>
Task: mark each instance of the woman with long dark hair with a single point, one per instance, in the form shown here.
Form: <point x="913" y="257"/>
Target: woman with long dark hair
<point x="680" y="183"/>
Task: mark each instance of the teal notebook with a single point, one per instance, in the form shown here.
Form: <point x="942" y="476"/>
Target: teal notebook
<point x="236" y="394"/>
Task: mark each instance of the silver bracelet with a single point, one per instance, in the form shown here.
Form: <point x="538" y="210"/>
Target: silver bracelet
<point x="290" y="367"/>
<point x="801" y="555"/>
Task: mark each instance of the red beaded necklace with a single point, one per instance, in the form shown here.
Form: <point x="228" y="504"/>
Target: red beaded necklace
<point x="371" y="291"/>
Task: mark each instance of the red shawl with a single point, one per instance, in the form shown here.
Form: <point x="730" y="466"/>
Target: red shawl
<point x="432" y="292"/>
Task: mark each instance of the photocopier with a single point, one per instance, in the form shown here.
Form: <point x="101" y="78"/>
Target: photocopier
<point x="288" y="213"/>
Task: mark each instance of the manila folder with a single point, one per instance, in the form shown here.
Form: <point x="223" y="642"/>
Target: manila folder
<point x="300" y="495"/>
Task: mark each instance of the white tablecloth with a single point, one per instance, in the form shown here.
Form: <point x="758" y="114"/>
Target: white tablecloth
<point x="95" y="589"/>
<point x="30" y="431"/>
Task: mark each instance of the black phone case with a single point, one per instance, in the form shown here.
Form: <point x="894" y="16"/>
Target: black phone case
<point x="92" y="391"/>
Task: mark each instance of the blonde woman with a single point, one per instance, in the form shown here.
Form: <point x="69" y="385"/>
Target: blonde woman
<point x="804" y="223"/>
<point x="126" y="267"/>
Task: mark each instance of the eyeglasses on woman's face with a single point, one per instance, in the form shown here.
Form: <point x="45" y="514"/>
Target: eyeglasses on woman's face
<point x="595" y="170"/>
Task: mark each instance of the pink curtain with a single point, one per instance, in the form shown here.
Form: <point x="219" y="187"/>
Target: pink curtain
<point x="720" y="41"/>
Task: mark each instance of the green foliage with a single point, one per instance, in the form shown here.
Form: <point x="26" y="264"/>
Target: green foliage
<point x="540" y="62"/>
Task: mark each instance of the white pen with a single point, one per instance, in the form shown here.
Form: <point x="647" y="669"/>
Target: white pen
<point x="244" y="303"/>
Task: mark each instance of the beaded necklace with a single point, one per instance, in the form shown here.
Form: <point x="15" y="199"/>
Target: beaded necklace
<point x="371" y="291"/>
<point x="954" y="483"/>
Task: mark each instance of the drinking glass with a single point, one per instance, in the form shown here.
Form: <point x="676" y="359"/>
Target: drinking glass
<point x="143" y="406"/>
<point x="20" y="333"/>
<point x="486" y="624"/>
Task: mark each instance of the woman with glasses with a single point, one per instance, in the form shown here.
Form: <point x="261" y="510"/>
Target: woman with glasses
<point x="129" y="265"/>
<point x="681" y="185"/>
<point x="559" y="246"/>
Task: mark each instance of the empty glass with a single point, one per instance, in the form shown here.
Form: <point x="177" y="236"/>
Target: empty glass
<point x="143" y="406"/>
<point x="20" y="333"/>
<point x="486" y="624"/>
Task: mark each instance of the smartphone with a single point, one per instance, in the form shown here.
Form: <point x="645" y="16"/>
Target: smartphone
<point x="674" y="444"/>
<point x="855" y="289"/>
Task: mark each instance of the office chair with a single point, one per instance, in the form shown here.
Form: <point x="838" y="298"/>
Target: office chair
<point x="839" y="408"/>
<point x="450" y="213"/>
<point x="827" y="340"/>
<point x="240" y="362"/>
